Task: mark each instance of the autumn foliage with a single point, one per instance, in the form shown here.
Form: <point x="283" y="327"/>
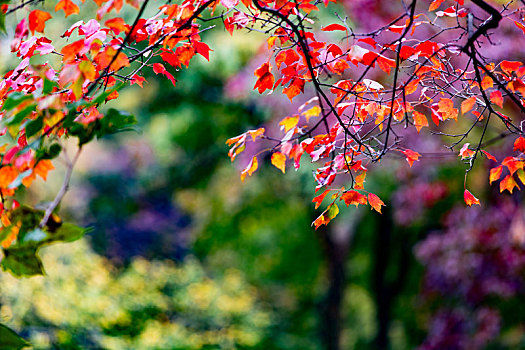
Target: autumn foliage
<point x="357" y="94"/>
<point x="425" y="72"/>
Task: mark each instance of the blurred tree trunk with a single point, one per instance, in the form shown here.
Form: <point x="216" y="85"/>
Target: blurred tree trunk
<point x="387" y="289"/>
<point x="336" y="240"/>
<point x="382" y="291"/>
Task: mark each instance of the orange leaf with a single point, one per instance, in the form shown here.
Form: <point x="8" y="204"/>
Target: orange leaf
<point x="469" y="198"/>
<point x="185" y="53"/>
<point x="411" y="87"/>
<point x="359" y="181"/>
<point x="295" y="88"/>
<point x="487" y="83"/>
<point x="420" y="120"/>
<point x="465" y="152"/>
<point x="37" y="21"/>
<point x="68" y="6"/>
<point x="435" y="5"/>
<point x="386" y="64"/>
<point x="250" y="169"/>
<point x="7" y="175"/>
<point x="508" y="183"/>
<point x="375" y="202"/>
<point x="287" y="56"/>
<point x="237" y="139"/>
<point x="43" y="167"/>
<point x="513" y="164"/>
<point x="468" y="104"/>
<point x="489" y="156"/>
<point x="412" y="156"/>
<point x="496" y="98"/>
<point x="106" y="57"/>
<point x="495" y="174"/>
<point x="11" y="236"/>
<point x="137" y="79"/>
<point x="319" y="199"/>
<point x="519" y="144"/>
<point x="70" y="51"/>
<point x="354" y="197"/>
<point x="447" y="110"/>
<point x="279" y="161"/>
<point x="340" y="66"/>
<point x="117" y="25"/>
<point x="330" y="213"/>
<point x="265" y="78"/>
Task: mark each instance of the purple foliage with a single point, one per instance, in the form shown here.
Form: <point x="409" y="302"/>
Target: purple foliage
<point x="480" y="255"/>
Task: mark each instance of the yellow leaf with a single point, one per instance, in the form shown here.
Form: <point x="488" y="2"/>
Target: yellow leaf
<point x="250" y="169"/>
<point x="521" y="175"/>
<point x="255" y="133"/>
<point x="289" y="122"/>
<point x="312" y="112"/>
<point x="279" y="161"/>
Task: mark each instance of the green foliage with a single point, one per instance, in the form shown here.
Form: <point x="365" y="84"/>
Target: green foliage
<point x="114" y="121"/>
<point x="85" y="302"/>
<point x="15" y="99"/>
<point x="21" y="258"/>
<point x="9" y="340"/>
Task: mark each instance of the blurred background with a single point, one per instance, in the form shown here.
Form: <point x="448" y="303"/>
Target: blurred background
<point x="182" y="255"/>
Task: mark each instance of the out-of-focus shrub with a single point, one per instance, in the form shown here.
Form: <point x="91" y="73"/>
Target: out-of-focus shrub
<point x="84" y="302"/>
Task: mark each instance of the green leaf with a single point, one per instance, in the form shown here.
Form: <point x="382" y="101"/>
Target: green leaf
<point x="2" y="22"/>
<point x="2" y="16"/>
<point x="20" y="116"/>
<point x="67" y="233"/>
<point x="34" y="126"/>
<point x="15" y="99"/>
<point x="332" y="212"/>
<point x="29" y="219"/>
<point x="49" y="85"/>
<point x="22" y="262"/>
<point x="21" y="258"/>
<point x="115" y="121"/>
<point x="49" y="153"/>
<point x="9" y="340"/>
<point x="103" y="96"/>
